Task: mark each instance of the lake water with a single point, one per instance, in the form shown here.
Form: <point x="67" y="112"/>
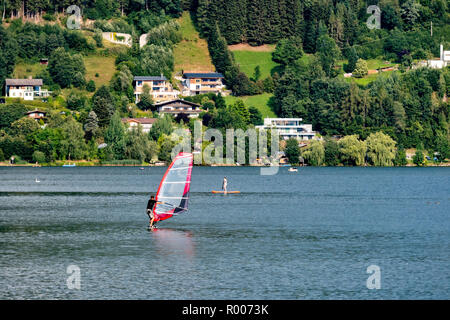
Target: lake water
<point x="305" y="235"/>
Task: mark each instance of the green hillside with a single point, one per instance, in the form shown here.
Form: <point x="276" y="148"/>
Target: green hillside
<point x="249" y="60"/>
<point x="99" y="68"/>
<point x="191" y="54"/>
<point x="259" y="101"/>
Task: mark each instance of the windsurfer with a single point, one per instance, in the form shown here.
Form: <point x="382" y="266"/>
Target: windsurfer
<point x="150" y="204"/>
<point x="174" y="187"/>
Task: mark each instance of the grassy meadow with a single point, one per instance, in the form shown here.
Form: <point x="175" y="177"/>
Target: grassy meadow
<point x="259" y="101"/>
<point x="191" y="54"/>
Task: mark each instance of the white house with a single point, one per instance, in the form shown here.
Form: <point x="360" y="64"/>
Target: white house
<point x="145" y="123"/>
<point x="26" y="89"/>
<point x="159" y="87"/>
<point x="289" y="128"/>
<point x="177" y="106"/>
<point x="200" y="83"/>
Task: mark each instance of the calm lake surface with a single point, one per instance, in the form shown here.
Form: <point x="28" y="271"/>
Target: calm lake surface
<point x="305" y="235"/>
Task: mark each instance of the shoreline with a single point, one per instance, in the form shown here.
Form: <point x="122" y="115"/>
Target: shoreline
<point x="83" y="164"/>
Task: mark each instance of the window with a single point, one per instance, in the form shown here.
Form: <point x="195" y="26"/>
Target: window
<point x="139" y="83"/>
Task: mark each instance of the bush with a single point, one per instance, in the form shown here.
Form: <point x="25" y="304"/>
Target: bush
<point x="115" y="25"/>
<point x="292" y="151"/>
<point x="98" y="38"/>
<point x="419" y="158"/>
<point x="167" y="34"/>
<point x="66" y="69"/>
<point x="2" y="156"/>
<point x="361" y="69"/>
<point x="400" y="158"/>
<point x="49" y="17"/>
<point x="38" y="156"/>
<point x="420" y="54"/>
<point x="90" y="86"/>
<point x="76" y="100"/>
<point x="18" y="159"/>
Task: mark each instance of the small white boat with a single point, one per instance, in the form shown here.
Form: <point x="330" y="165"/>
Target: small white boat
<point x="293" y="169"/>
<point x="69" y="165"/>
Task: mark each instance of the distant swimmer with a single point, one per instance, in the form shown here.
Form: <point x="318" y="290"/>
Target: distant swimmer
<point x="224" y="184"/>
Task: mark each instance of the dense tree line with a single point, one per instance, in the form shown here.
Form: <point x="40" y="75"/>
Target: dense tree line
<point x="255" y="22"/>
<point x="411" y="107"/>
<point x="41" y="40"/>
<point x="92" y="9"/>
<point x="267" y="21"/>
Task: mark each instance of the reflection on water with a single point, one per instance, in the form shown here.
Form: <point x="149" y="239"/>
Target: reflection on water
<point x="171" y="241"/>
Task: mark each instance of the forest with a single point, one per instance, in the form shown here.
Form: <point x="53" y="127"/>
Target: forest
<point x="315" y="43"/>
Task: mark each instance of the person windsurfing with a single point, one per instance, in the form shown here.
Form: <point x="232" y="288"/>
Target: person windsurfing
<point x="224" y="184"/>
<point x="172" y="196"/>
<point x="150" y="204"/>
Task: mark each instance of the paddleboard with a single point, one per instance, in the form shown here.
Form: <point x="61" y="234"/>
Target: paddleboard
<point x="216" y="191"/>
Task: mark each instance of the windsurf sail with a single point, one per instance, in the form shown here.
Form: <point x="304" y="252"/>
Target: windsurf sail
<point x="173" y="193"/>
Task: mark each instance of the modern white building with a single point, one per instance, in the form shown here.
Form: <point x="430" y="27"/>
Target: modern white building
<point x="160" y="88"/>
<point x="289" y="128"/>
<point x="199" y="83"/>
<point x="27" y="89"/>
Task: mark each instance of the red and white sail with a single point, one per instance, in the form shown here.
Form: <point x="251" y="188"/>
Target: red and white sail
<point x="173" y="193"/>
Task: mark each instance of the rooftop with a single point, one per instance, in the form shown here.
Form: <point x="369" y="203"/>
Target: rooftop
<point x="24" y="82"/>
<point x="181" y="111"/>
<point x="36" y="111"/>
<point x="202" y="75"/>
<point x="181" y="101"/>
<point x="150" y="78"/>
<point x="284" y="119"/>
<point x="140" y="120"/>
